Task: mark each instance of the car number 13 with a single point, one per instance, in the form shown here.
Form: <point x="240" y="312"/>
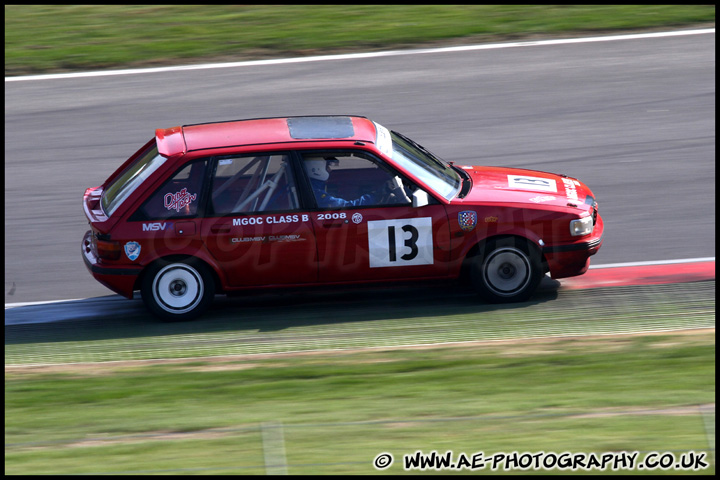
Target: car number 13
<point x="394" y="243"/>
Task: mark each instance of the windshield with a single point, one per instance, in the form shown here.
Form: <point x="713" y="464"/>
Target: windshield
<point x="424" y="165"/>
<point x="124" y="185"/>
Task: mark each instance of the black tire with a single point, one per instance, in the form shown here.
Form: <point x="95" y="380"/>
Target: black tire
<point x="177" y="291"/>
<point x="507" y="270"/>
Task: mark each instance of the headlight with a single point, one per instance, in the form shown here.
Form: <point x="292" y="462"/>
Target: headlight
<point x="583" y="226"/>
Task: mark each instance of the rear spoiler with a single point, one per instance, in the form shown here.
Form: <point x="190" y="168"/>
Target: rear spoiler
<point x="170" y="141"/>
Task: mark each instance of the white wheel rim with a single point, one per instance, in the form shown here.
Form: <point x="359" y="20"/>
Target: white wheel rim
<point x="507" y="271"/>
<point x="178" y="288"/>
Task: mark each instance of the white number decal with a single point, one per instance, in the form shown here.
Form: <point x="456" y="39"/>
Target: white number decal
<point x="400" y="242"/>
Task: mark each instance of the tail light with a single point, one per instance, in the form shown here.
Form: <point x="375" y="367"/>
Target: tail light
<point x="106" y="249"/>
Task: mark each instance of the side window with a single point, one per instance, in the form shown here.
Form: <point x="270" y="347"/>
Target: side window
<point x="179" y="196"/>
<point x="255" y="183"/>
<point x="353" y="179"/>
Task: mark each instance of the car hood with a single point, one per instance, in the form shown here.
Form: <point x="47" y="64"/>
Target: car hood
<point x="514" y="185"/>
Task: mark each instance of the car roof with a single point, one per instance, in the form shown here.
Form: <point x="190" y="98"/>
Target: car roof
<point x="263" y="131"/>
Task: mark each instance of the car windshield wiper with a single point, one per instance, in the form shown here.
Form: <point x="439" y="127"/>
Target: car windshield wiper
<point x="466" y="179"/>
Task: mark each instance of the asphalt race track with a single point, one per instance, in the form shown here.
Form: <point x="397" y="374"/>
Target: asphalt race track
<point x="634" y="119"/>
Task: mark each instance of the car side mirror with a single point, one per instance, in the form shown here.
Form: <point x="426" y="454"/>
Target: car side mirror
<point x="419" y="198"/>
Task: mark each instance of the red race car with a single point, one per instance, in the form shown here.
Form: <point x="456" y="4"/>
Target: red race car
<point x="318" y="200"/>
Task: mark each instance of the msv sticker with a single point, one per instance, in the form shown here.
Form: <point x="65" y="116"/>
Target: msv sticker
<point x="532" y="183"/>
<point x="156" y="226"/>
<point x="395" y="243"/>
<point x="467" y="220"/>
<point x="132" y="250"/>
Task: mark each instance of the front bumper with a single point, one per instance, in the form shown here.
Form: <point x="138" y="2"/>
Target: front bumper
<point x="119" y="279"/>
<point x="573" y="259"/>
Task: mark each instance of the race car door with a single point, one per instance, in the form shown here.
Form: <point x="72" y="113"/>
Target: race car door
<point x="254" y="227"/>
<point x="364" y="233"/>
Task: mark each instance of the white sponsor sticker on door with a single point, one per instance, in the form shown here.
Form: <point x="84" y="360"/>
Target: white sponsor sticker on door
<point x="396" y="243"/>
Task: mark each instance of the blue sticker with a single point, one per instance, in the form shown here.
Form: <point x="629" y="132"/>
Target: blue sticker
<point x="467" y="220"/>
<point x="132" y="250"/>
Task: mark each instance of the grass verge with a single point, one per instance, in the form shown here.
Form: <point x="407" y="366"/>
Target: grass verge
<point x="56" y="38"/>
<point x="339" y="410"/>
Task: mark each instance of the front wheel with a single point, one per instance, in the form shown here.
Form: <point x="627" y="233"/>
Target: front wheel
<point x="508" y="270"/>
<point x="178" y="291"/>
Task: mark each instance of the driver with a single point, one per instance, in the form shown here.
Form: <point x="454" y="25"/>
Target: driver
<point x="318" y="169"/>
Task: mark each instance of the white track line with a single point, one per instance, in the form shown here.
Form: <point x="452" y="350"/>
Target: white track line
<point x="352" y="56"/>
<point x="26" y="304"/>
<point x="608" y="265"/>
<point x="661" y="262"/>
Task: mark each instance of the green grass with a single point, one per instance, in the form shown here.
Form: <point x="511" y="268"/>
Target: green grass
<point x="45" y="38"/>
<point x="340" y="410"/>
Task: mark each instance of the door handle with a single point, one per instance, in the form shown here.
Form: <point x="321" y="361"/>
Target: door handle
<point x="220" y="229"/>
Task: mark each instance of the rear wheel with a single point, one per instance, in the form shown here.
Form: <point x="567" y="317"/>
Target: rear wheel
<point x="508" y="270"/>
<point x="178" y="291"/>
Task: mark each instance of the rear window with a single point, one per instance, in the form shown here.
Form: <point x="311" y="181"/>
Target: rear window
<point x="124" y="185"/>
<point x="177" y="197"/>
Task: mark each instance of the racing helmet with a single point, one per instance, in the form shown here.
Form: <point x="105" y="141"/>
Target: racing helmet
<point x="316" y="167"/>
<point x="331" y="162"/>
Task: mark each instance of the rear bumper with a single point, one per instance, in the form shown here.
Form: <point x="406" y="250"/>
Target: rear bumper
<point x="120" y="280"/>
